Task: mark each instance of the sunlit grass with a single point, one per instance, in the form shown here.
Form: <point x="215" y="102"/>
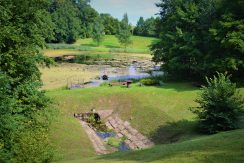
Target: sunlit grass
<point x="109" y="44"/>
<point x="161" y="113"/>
<point x="64" y="74"/>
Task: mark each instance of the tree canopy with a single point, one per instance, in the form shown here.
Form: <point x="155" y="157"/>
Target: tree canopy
<point x="199" y="38"/>
<point x="110" y="24"/>
<point x="124" y="32"/>
<point x="23" y="114"/>
<point x="147" y="27"/>
<point x="72" y="19"/>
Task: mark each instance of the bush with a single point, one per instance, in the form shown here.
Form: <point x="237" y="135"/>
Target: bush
<point x="220" y="105"/>
<point x="149" y="82"/>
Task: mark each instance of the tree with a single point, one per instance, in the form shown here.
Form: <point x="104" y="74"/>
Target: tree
<point x="139" y="29"/>
<point x="87" y="16"/>
<point x="65" y="17"/>
<point x="124" y="32"/>
<point x="98" y="32"/>
<point x="199" y="38"/>
<point x="24" y="119"/>
<point x="219" y="105"/>
<point x="146" y="27"/>
<point x="110" y="24"/>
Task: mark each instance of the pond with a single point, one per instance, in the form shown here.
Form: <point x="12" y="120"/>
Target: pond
<point x="132" y="72"/>
<point x="106" y="135"/>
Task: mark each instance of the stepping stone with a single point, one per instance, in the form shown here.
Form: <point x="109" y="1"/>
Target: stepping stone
<point x="109" y="126"/>
<point x="129" y="136"/>
<point x="121" y="127"/>
<point x="134" y="139"/>
<point x="126" y="123"/>
<point x="124" y="132"/>
<point x="132" y="146"/>
<point x="114" y="125"/>
<point x="127" y="142"/>
<point x="141" y="137"/>
<point x="134" y="132"/>
<point x="120" y="135"/>
<point x="110" y="118"/>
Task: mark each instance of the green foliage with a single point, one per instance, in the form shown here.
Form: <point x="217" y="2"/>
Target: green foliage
<point x="72" y="19"/>
<point x="24" y="118"/>
<point x="124" y="32"/>
<point x="199" y="38"/>
<point x="98" y="32"/>
<point x="114" y="142"/>
<point x="220" y="105"/>
<point x="65" y="17"/>
<point x="110" y="24"/>
<point x="146" y="27"/>
<point x="149" y="81"/>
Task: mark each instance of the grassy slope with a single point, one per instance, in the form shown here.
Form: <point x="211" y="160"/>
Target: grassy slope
<point x="152" y="110"/>
<point x="159" y="112"/>
<point x="149" y="108"/>
<point x="69" y="139"/>
<point x="223" y="147"/>
<point x="110" y="44"/>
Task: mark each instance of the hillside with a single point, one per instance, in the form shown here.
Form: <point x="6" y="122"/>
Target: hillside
<point x="164" y="120"/>
<point x="110" y="44"/>
<point x="223" y="147"/>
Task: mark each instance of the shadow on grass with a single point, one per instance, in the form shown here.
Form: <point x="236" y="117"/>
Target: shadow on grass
<point x="221" y="147"/>
<point x="112" y="46"/>
<point x="91" y="45"/>
<point x="179" y="86"/>
<point x="173" y="132"/>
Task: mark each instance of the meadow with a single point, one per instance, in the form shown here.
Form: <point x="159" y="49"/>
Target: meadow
<point x="110" y="44"/>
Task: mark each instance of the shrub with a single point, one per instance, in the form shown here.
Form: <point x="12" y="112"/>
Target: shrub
<point x="149" y="81"/>
<point x="220" y="105"/>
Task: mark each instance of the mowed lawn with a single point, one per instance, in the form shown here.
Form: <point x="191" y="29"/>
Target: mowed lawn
<point x="225" y="147"/>
<point x="161" y="113"/>
<point x="110" y="44"/>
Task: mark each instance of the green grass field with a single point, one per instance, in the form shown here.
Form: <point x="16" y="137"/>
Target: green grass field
<point x="223" y="147"/>
<point x="109" y="44"/>
<point x="161" y="113"/>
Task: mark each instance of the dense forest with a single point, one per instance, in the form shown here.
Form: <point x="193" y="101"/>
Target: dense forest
<point x="199" y="38"/>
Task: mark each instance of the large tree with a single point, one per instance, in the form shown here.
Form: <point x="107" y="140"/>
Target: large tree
<point x="199" y="38"/>
<point x="98" y="32"/>
<point x="146" y="27"/>
<point x="65" y="17"/>
<point x="124" y="32"/>
<point x="139" y="29"/>
<point x="110" y="24"/>
<point x="23" y="124"/>
<point x="72" y="19"/>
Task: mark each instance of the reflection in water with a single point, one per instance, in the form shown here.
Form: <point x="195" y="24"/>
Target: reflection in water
<point x="131" y="72"/>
